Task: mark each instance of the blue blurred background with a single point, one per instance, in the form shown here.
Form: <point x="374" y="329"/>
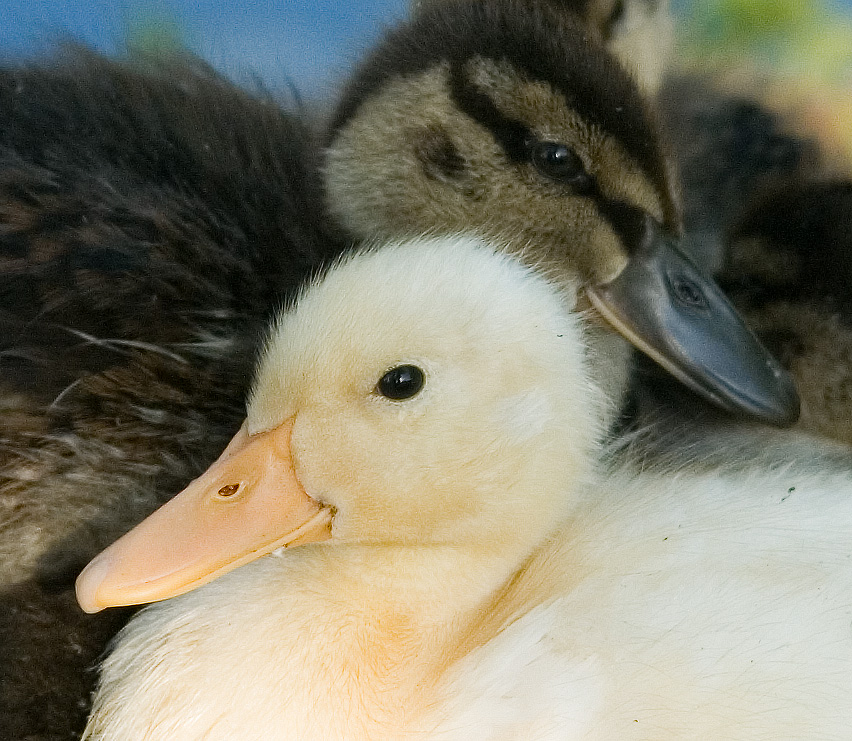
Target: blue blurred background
<point x="309" y="42"/>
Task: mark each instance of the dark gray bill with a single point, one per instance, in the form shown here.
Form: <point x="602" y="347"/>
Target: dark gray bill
<point x="667" y="308"/>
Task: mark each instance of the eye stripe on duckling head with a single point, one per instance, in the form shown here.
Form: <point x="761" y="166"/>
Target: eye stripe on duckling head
<point x="554" y="160"/>
<point x="512" y="135"/>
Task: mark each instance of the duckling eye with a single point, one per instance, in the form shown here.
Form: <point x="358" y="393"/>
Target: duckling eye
<point x="559" y="162"/>
<point x="401" y="382"/>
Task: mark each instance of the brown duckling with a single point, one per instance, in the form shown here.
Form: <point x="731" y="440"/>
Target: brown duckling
<point x="510" y="120"/>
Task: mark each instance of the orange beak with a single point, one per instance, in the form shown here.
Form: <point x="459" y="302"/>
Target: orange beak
<point x="247" y="504"/>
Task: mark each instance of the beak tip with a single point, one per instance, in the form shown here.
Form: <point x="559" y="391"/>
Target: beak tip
<point x="775" y="403"/>
<point x="89" y="582"/>
<point x="790" y="407"/>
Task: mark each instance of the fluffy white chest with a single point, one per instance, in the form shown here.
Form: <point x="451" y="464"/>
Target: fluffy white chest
<point x="252" y="664"/>
<point x="268" y="664"/>
<point x="182" y="672"/>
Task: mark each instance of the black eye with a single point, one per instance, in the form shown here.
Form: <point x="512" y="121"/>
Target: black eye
<point x="559" y="162"/>
<point x="401" y="382"/>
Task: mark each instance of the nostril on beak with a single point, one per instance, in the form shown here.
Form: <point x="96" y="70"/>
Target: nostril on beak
<point x="228" y="490"/>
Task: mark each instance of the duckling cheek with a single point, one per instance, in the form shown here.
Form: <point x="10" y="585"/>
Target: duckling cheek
<point x="344" y="461"/>
<point x="525" y="415"/>
<point x="390" y="479"/>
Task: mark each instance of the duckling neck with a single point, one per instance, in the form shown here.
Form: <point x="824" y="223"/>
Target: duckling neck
<point x="434" y="590"/>
<point x="396" y="618"/>
<point x="363" y="632"/>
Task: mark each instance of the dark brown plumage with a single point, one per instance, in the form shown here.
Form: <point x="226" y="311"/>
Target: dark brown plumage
<point x="47" y="656"/>
<point x="731" y="152"/>
<point x="789" y="269"/>
<point x="150" y="221"/>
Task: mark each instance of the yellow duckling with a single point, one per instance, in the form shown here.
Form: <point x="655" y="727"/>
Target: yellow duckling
<point x="418" y="460"/>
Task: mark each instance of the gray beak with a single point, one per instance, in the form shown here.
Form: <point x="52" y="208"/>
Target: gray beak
<point x="665" y="306"/>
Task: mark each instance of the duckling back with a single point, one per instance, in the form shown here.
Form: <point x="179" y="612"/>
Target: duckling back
<point x="677" y="603"/>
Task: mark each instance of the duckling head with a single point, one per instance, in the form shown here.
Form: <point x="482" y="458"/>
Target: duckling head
<point x="640" y="33"/>
<point x="511" y="120"/>
<point x="425" y="394"/>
